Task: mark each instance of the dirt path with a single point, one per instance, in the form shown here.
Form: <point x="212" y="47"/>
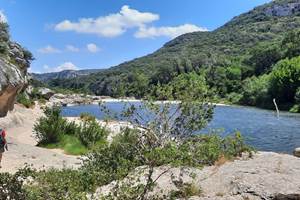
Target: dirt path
<point x="22" y="149"/>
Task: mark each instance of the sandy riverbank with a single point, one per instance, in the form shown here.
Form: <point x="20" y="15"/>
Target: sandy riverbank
<point x="22" y="145"/>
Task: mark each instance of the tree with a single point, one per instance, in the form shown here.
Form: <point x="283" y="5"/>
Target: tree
<point x="291" y="44"/>
<point x="255" y="91"/>
<point x="233" y="78"/>
<point x="285" y="79"/>
<point x="263" y="57"/>
<point x="160" y="125"/>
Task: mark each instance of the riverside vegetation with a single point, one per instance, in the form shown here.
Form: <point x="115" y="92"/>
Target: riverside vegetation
<point x="250" y="60"/>
<point x="165" y="138"/>
<point x="53" y="131"/>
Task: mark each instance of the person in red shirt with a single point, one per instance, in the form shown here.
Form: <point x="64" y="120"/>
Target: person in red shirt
<point x="3" y="143"/>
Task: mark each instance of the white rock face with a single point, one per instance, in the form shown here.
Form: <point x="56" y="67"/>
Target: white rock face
<point x="14" y="62"/>
<point x="268" y="176"/>
<point x="12" y="80"/>
<point x="46" y="93"/>
<point x="284" y="9"/>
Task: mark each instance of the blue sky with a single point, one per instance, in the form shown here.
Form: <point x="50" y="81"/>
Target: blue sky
<point x="83" y="34"/>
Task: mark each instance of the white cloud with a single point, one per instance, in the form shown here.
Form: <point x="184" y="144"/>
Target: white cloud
<point x="111" y="25"/>
<point x="3" y="18"/>
<point x="72" y="48"/>
<point x="167" y="31"/>
<point x="48" y="50"/>
<point x="62" y="67"/>
<point x="93" y="48"/>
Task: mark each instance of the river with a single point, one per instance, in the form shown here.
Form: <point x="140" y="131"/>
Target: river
<point x="261" y="128"/>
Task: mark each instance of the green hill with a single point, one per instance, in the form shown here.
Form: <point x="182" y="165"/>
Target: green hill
<point x="246" y="46"/>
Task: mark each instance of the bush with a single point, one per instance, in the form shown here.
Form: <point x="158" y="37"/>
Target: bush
<point x="90" y="133"/>
<point x="50" y="127"/>
<point x="256" y="91"/>
<point x="87" y="117"/>
<point x="63" y="184"/>
<point x="114" y="161"/>
<point x="185" y="191"/>
<point x="71" y="128"/>
<point x="11" y="185"/>
<point x="53" y="131"/>
<point x="22" y="99"/>
<point x="200" y="150"/>
<point x="295" y="109"/>
<point x="234" y="98"/>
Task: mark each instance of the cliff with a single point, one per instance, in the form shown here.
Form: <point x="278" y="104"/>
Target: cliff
<point x="14" y="62"/>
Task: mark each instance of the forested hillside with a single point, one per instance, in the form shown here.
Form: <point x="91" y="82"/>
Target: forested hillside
<point x="65" y="74"/>
<point x="250" y="60"/>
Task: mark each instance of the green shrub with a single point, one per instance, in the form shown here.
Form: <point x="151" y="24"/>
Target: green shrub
<point x="185" y="191"/>
<point x="234" y="97"/>
<point x="256" y="91"/>
<point x="234" y="145"/>
<point x="22" y="99"/>
<point x="114" y="161"/>
<point x="50" y="127"/>
<point x="295" y="109"/>
<point x="90" y="133"/>
<point x="87" y="117"/>
<point x="71" y="128"/>
<point x="53" y="131"/>
<point x="11" y="185"/>
<point x="55" y="184"/>
<point x="199" y="150"/>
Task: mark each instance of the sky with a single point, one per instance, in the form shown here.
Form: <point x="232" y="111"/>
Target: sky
<point x="85" y="34"/>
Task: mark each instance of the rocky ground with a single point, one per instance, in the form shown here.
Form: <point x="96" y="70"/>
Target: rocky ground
<point x="22" y="146"/>
<point x="265" y="176"/>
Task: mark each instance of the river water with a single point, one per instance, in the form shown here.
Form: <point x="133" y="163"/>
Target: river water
<point x="261" y="128"/>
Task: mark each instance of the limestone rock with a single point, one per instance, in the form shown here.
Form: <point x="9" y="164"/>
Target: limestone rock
<point x="297" y="152"/>
<point x="266" y="176"/>
<point x="46" y="93"/>
<point x="14" y="62"/>
<point x="281" y="10"/>
<point x="12" y="81"/>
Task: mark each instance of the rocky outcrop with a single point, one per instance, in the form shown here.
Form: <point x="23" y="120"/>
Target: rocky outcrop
<point x="282" y="10"/>
<point x="266" y="176"/>
<point x="297" y="152"/>
<point x="14" y="62"/>
<point x="70" y="99"/>
<point x="12" y="80"/>
<point x="46" y="93"/>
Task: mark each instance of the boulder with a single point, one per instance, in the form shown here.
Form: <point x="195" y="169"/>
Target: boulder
<point x="297" y="152"/>
<point x="46" y="93"/>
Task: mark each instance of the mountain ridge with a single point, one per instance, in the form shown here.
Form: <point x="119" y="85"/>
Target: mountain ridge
<point x="65" y="74"/>
<point x="231" y="44"/>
